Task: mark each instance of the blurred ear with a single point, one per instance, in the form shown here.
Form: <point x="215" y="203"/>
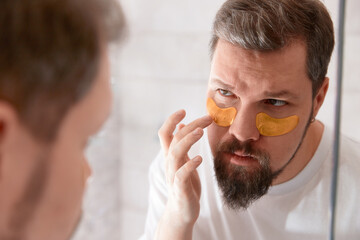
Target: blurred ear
<point x="8" y="123"/>
<point x="320" y="96"/>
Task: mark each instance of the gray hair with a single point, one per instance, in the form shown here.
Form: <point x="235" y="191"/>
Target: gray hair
<point x="268" y="25"/>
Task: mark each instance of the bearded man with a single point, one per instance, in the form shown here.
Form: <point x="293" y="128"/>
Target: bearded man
<point x="263" y="168"/>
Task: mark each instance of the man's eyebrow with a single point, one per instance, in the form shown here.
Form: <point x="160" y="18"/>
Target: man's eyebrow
<point x="222" y="84"/>
<point x="280" y="94"/>
<point x="267" y="94"/>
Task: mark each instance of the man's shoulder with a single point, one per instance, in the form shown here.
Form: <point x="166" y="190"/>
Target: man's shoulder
<point x="350" y="150"/>
<point x="349" y="147"/>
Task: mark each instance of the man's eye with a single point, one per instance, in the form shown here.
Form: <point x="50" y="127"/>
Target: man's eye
<point x="275" y="102"/>
<point x="225" y="92"/>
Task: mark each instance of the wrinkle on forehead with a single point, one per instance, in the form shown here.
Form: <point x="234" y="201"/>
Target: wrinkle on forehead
<point x="247" y="69"/>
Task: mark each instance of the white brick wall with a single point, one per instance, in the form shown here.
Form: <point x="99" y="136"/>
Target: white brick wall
<point x="162" y="67"/>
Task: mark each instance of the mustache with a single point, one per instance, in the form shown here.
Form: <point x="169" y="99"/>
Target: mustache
<point x="233" y="145"/>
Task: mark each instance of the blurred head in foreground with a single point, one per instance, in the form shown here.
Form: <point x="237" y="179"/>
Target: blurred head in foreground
<point x="54" y="95"/>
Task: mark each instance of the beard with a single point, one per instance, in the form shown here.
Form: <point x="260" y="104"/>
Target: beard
<point x="242" y="185"/>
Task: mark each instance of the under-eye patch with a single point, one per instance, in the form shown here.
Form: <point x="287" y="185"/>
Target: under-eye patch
<point x="266" y="125"/>
<point x="271" y="127"/>
<point x="223" y="117"/>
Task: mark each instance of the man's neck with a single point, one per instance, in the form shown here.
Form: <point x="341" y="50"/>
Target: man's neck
<point x="305" y="153"/>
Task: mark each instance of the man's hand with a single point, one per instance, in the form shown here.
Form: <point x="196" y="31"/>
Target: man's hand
<point x="183" y="207"/>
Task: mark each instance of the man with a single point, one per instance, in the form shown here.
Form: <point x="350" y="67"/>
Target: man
<point x="263" y="168"/>
<point x="54" y="94"/>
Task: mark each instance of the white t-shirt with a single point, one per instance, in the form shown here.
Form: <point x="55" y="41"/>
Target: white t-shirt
<point x="296" y="209"/>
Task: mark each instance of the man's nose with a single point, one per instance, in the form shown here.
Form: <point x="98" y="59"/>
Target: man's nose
<point x="244" y="125"/>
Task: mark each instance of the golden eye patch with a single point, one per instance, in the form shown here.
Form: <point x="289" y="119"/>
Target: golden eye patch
<point x="223" y="117"/>
<point x="271" y="127"/>
<point x="266" y="125"/>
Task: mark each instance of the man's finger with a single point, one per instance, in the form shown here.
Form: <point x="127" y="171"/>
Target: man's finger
<point x="202" y="122"/>
<point x="167" y="129"/>
<point x="181" y="126"/>
<point x="177" y="155"/>
<point x="183" y="175"/>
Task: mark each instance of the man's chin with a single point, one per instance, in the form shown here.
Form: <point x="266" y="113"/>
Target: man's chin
<point x="243" y="173"/>
<point x="240" y="185"/>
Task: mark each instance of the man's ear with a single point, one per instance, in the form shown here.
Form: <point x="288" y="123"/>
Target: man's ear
<point x="8" y="119"/>
<point x="320" y="96"/>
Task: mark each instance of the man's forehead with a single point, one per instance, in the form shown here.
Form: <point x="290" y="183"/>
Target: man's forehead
<point x="294" y="53"/>
<point x="237" y="68"/>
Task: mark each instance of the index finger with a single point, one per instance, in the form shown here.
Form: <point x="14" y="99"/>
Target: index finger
<point x="202" y="122"/>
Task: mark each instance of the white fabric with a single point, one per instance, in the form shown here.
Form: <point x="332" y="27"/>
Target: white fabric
<point x="297" y="209"/>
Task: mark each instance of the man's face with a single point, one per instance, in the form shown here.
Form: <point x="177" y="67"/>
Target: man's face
<point x="275" y="83"/>
<point x="46" y="200"/>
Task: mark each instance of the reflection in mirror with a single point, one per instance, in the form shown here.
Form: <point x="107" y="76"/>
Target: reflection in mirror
<point x="164" y="66"/>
